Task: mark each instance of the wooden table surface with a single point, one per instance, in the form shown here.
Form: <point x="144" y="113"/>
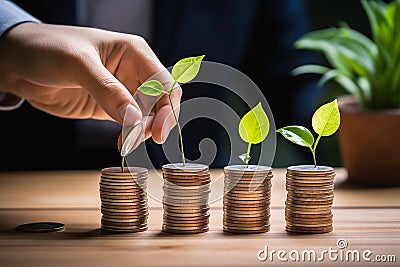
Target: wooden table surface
<point x="368" y="219"/>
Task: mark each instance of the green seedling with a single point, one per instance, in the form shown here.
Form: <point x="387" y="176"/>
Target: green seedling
<point x="183" y="71"/>
<point x="325" y="122"/>
<point x="253" y="129"/>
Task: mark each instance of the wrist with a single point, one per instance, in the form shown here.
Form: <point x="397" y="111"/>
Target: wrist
<point x="12" y="55"/>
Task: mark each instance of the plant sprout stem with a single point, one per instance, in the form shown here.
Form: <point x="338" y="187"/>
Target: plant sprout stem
<point x="177" y="124"/>
<point x="122" y="163"/>
<point x="313" y="150"/>
<point x="313" y="154"/>
<point x="248" y="154"/>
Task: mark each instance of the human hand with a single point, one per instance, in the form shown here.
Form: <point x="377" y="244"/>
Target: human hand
<point x="77" y="72"/>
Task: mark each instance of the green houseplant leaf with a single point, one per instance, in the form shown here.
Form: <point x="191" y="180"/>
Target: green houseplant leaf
<point x="368" y="68"/>
<point x="317" y="69"/>
<point x="253" y="128"/>
<point x="152" y="87"/>
<point x="186" y="69"/>
<point x="297" y="134"/>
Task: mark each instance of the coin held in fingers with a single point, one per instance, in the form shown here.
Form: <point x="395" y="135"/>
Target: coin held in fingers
<point x="132" y="139"/>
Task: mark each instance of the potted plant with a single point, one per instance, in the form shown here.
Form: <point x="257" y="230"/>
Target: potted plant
<point x="369" y="70"/>
<point x="186" y="185"/>
<point x="310" y="187"/>
<point x="247" y="188"/>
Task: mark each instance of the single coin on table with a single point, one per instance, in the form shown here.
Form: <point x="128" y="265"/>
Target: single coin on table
<point x="41" y="227"/>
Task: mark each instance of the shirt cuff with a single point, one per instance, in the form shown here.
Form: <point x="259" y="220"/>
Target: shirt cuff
<point x="12" y="15"/>
<point x="10" y="101"/>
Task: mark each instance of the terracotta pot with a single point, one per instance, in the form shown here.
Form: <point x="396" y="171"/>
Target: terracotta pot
<point x="369" y="144"/>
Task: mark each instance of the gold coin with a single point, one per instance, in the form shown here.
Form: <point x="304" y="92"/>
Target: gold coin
<point x="184" y="228"/>
<point x="251" y="186"/>
<point x="195" y="231"/>
<point x="119" y="209"/>
<point x="292" y="214"/>
<point x="309" y="230"/>
<point x="126" y="218"/>
<point x="108" y="201"/>
<point x="124" y="204"/>
<point x="130" y="229"/>
<point x="177" y="213"/>
<point x="247" y="213"/>
<point x="111" y="204"/>
<point x="189" y="167"/>
<point x="308" y="225"/>
<point x="250" y="228"/>
<point x="245" y="198"/>
<point x="310" y="179"/>
<point x="129" y="188"/>
<point x="123" y="224"/>
<point x="315" y="198"/>
<point x="238" y="221"/>
<point x="187" y="215"/>
<point x="201" y="217"/>
<point x="127" y="170"/>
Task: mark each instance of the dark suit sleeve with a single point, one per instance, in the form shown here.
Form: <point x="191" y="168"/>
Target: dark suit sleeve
<point x="11" y="15"/>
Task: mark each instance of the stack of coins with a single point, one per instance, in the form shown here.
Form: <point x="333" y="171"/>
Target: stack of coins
<point x="247" y="196"/>
<point x="185" y="201"/>
<point x="309" y="199"/>
<point x="124" y="199"/>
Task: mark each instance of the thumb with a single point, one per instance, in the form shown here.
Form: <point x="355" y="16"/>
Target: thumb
<point x="109" y="93"/>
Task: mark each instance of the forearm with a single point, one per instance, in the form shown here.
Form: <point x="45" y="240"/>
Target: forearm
<point x="10" y="16"/>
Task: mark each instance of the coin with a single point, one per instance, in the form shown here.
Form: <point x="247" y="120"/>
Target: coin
<point x="125" y="229"/>
<point x="125" y="218"/>
<point x="128" y="171"/>
<point x="132" y="134"/>
<point x="247" y="230"/>
<point x="40" y="227"/>
<point x="185" y="231"/>
<point x="124" y="215"/>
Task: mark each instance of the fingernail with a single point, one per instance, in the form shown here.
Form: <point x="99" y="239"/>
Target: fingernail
<point x="165" y="133"/>
<point x="129" y="114"/>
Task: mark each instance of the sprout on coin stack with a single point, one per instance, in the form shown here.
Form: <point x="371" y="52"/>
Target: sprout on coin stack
<point x="186" y="186"/>
<point x="247" y="188"/>
<point x="183" y="71"/>
<point x="310" y="187"/>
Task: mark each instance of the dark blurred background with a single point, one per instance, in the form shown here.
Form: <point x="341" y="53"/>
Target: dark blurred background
<point x="255" y="37"/>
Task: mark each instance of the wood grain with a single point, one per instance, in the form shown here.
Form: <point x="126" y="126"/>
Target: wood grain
<point x="366" y="218"/>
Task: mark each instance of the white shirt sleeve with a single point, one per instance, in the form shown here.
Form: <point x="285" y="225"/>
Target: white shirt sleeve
<point x="10" y="16"/>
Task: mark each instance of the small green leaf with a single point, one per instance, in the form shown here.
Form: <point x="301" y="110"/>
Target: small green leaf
<point x="186" y="69"/>
<point x="254" y="126"/>
<point x="298" y="134"/>
<point x="245" y="158"/>
<point x="326" y="119"/>
<point x="152" y="87"/>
